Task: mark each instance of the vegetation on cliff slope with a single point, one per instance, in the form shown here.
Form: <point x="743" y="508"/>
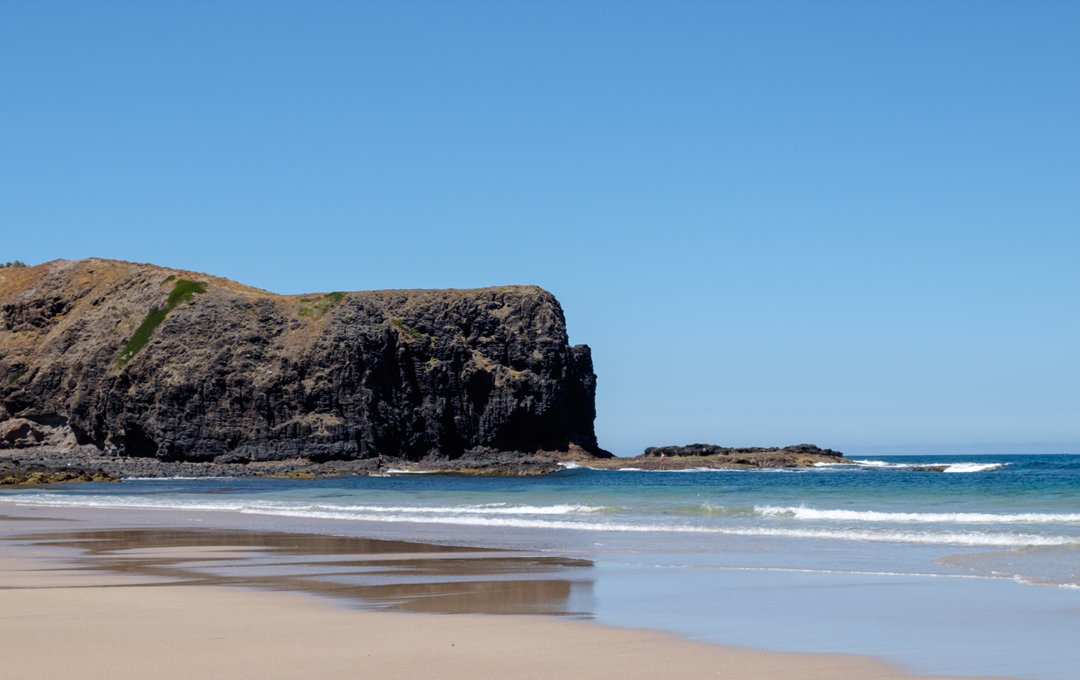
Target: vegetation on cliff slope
<point x="183" y="291"/>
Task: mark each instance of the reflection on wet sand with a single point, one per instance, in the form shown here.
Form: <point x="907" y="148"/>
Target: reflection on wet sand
<point x="371" y="573"/>
<point x="1050" y="565"/>
<point x="17" y="518"/>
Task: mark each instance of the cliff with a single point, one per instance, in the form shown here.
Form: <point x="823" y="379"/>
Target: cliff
<point x="143" y="361"/>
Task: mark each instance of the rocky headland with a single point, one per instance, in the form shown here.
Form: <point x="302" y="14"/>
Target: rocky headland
<point x="121" y="369"/>
<point x="135" y="365"/>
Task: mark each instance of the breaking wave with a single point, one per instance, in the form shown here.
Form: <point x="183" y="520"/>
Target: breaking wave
<point x="804" y="513"/>
<point x="561" y="517"/>
<point x="882" y="465"/>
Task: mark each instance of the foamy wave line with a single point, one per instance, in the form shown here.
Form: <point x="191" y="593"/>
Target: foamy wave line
<point x="139" y="502"/>
<point x="974" y="467"/>
<point x="1032" y="581"/>
<point x="953" y="517"/>
<point x="571" y="465"/>
<point x="882" y="465"/>
<point x="486" y="509"/>
<point x="951" y="467"/>
<point x="950" y="538"/>
<point x="799" y="570"/>
<point x="972" y="538"/>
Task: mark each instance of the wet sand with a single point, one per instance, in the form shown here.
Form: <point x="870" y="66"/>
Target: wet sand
<point x="89" y="600"/>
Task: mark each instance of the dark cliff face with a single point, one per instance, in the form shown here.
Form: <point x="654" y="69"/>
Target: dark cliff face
<point x="235" y="374"/>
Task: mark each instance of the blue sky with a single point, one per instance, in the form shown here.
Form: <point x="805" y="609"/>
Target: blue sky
<point x="855" y="224"/>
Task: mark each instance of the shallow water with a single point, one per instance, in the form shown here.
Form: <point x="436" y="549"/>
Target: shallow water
<point x="975" y="570"/>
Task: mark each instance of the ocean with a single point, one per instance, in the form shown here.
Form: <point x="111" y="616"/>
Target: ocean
<point x="972" y="570"/>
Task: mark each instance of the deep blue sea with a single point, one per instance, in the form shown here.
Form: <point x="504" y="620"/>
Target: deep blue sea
<point x="974" y="570"/>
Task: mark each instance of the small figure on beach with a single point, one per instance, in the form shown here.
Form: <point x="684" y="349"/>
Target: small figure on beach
<point x="663" y="460"/>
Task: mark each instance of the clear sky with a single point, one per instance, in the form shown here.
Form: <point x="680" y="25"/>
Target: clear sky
<point x="851" y="223"/>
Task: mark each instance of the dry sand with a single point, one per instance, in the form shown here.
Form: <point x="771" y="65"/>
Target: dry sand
<point x="62" y="623"/>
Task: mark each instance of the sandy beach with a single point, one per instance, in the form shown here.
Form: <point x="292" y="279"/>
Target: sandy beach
<point x="124" y="611"/>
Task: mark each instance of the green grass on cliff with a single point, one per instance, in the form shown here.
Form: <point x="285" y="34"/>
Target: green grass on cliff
<point x="399" y="323"/>
<point x="183" y="291"/>
<point x="142" y="334"/>
<point x="320" y="306"/>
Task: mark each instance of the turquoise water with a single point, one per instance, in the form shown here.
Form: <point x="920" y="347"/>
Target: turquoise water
<point x="973" y="570"/>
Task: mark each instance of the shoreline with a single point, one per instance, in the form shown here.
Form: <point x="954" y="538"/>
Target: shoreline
<point x="54" y="464"/>
<point x="123" y="620"/>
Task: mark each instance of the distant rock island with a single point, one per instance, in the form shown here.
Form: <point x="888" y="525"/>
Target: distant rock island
<point x="711" y="456"/>
<point x="134" y="369"/>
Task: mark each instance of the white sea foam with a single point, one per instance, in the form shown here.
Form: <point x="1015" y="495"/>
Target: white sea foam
<point x="1029" y="581"/>
<point x="571" y="465"/>
<point x="805" y="513"/>
<point x="272" y="507"/>
<point x="974" y="467"/>
<point x="396" y="471"/>
<point x="946" y="538"/>
<point x="485" y="509"/>
<point x="882" y="465"/>
<point x="533" y="517"/>
<point x="798" y="570"/>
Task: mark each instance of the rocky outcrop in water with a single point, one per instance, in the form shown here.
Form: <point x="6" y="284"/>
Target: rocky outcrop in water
<point x="144" y="362"/>
<point x="710" y="456"/>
